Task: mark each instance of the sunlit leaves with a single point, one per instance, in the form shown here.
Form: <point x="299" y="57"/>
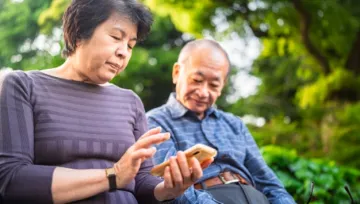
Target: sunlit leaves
<point x="18" y="24"/>
<point x="52" y="16"/>
<point x="186" y="14"/>
<point x="319" y="91"/>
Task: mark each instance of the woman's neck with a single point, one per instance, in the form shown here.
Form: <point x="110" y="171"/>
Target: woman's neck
<point x="68" y="71"/>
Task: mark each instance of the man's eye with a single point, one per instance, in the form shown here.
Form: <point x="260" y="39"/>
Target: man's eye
<point x="130" y="47"/>
<point x="197" y="81"/>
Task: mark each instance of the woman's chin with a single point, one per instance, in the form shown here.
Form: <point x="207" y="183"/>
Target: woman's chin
<point x="107" y="77"/>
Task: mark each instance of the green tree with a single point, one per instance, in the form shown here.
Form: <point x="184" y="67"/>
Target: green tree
<point x="19" y="29"/>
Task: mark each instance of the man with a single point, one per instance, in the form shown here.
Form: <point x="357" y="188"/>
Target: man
<point x="200" y="75"/>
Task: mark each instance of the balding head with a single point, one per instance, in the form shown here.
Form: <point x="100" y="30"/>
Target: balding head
<point x="197" y="47"/>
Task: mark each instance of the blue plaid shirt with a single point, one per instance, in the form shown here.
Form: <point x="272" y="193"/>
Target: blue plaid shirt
<point x="237" y="150"/>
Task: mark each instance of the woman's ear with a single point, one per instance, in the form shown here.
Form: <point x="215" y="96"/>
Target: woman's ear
<point x="79" y="42"/>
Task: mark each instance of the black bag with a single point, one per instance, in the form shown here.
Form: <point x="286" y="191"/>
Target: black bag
<point x="237" y="193"/>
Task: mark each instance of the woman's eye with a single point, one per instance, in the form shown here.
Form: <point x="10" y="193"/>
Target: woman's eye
<point x="130" y="47"/>
<point x="197" y="81"/>
<point x="116" y="38"/>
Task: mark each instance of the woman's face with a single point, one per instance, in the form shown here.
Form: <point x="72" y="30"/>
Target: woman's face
<point x="108" y="51"/>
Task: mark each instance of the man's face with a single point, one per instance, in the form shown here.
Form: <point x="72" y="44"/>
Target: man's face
<point x="200" y="79"/>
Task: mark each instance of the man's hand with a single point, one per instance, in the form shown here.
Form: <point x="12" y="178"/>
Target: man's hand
<point x="179" y="176"/>
<point x="128" y="166"/>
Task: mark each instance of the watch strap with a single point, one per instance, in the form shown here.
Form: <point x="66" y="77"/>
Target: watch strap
<point x="110" y="174"/>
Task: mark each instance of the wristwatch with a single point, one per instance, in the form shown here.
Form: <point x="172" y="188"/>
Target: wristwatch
<point x="110" y="174"/>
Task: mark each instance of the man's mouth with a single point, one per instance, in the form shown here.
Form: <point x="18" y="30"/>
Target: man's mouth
<point x="200" y="102"/>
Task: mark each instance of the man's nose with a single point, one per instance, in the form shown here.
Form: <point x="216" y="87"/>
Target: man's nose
<point x="203" y="91"/>
<point x="122" y="51"/>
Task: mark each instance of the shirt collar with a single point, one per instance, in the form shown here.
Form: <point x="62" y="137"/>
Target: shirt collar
<point x="177" y="110"/>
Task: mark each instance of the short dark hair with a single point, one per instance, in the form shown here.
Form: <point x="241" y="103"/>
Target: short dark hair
<point x="83" y="16"/>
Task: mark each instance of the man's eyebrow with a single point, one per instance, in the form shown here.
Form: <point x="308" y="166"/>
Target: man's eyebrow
<point x="123" y="33"/>
<point x="199" y="73"/>
<point x="215" y="78"/>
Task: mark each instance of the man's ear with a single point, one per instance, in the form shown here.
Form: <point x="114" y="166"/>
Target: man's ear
<point x="175" y="72"/>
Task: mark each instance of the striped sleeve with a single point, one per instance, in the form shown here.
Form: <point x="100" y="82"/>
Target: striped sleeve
<point x="20" y="179"/>
<point x="145" y="183"/>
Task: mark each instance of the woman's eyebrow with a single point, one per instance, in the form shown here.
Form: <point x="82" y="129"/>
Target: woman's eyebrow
<point x="123" y="33"/>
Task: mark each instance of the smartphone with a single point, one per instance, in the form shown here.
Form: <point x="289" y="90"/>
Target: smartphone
<point x="200" y="151"/>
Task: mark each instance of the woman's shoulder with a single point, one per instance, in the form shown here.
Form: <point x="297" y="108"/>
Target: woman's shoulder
<point x="126" y="92"/>
<point x="8" y="74"/>
<point x="13" y="77"/>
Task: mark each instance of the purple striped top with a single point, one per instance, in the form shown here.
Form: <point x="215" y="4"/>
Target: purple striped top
<point x="47" y="122"/>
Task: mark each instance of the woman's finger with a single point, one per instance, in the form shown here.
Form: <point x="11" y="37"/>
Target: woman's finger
<point x="150" y="140"/>
<point x="144" y="153"/>
<point x="152" y="131"/>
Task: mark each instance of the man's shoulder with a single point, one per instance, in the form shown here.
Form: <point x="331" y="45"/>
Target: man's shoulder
<point x="158" y="111"/>
<point x="229" y="116"/>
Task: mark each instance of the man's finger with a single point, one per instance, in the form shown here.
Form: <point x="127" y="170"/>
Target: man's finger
<point x="176" y="173"/>
<point x="168" y="183"/>
<point x="183" y="165"/>
<point x="196" y="169"/>
<point x="205" y="164"/>
<point x="151" y="140"/>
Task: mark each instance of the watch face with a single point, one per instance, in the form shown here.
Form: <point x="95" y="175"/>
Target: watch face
<point x="110" y="172"/>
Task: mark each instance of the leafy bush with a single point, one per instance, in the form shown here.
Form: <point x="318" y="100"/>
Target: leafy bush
<point x="297" y="173"/>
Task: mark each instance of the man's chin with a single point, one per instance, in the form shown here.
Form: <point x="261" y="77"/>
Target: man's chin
<point x="197" y="109"/>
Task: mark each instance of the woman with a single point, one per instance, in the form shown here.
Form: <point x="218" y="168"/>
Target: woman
<point x="68" y="135"/>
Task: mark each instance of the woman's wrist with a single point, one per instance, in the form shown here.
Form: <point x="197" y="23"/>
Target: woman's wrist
<point x="119" y="178"/>
<point x="111" y="176"/>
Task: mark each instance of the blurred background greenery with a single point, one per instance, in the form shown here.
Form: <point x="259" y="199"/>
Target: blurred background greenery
<point x="295" y="79"/>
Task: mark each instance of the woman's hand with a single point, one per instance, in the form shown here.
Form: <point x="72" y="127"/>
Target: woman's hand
<point x="128" y="166"/>
<point x="179" y="176"/>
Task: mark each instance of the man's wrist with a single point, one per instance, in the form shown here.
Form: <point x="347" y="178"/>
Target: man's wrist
<point x="163" y="195"/>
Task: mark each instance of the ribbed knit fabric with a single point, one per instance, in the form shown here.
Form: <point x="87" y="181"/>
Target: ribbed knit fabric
<point x="47" y="121"/>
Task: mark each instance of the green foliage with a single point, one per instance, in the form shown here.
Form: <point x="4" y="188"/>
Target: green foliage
<point x="52" y="16"/>
<point x="297" y="173"/>
<point x="319" y="91"/>
<point x="184" y="13"/>
<point x="347" y="136"/>
<point x="18" y="24"/>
